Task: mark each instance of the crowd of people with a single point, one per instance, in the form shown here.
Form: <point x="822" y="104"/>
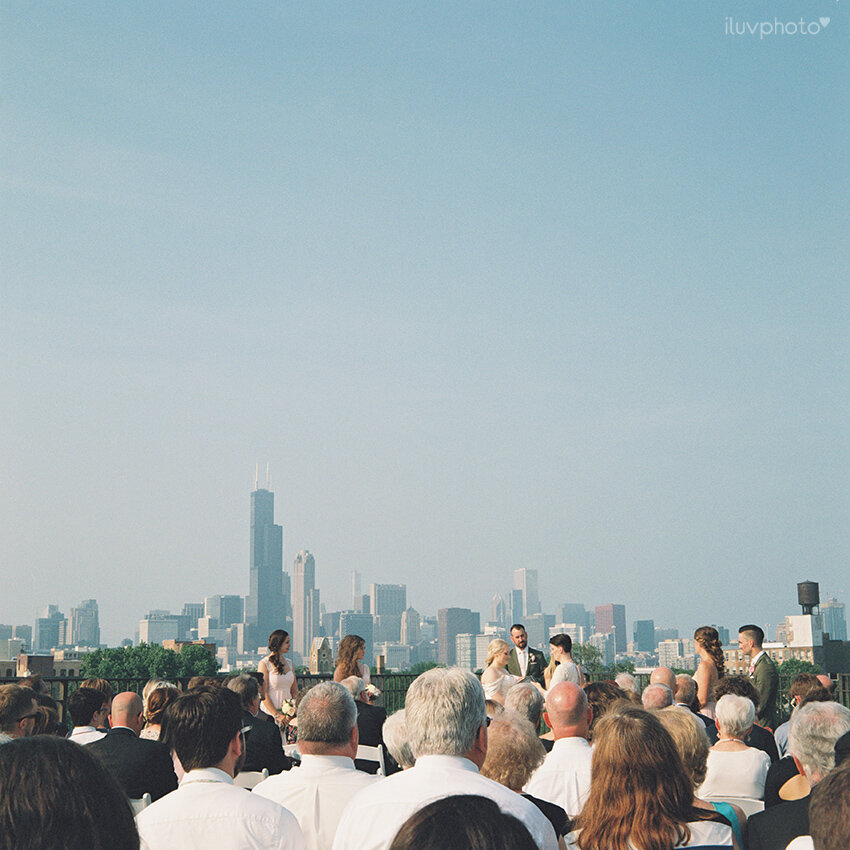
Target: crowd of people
<point x="531" y="755"/>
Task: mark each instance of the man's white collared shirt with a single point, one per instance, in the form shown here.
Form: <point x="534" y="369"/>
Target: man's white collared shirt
<point x="522" y="660"/>
<point x="209" y="811"/>
<point x="85" y="735"/>
<point x="564" y="776"/>
<point x="316" y="793"/>
<point x="372" y="819"/>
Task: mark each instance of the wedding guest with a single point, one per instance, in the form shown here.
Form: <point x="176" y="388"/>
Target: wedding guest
<point x="18" y="712"/>
<point x="657" y="696"/>
<point x="602" y="696"/>
<point x="370" y="720"/>
<point x="526" y="699"/>
<point x="349" y="659"/>
<point x="263" y="746"/>
<point x="395" y="740"/>
<point x="158" y="701"/>
<point x="759" y="737"/>
<point x="88" y="709"/>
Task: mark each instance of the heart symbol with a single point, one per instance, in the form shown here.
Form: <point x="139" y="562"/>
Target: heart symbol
<point x="824" y="22"/>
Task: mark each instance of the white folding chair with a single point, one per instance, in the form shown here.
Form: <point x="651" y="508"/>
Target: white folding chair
<point x="365" y="753"/>
<point x="140" y="803"/>
<point x="749" y="805"/>
<point x="251" y="778"/>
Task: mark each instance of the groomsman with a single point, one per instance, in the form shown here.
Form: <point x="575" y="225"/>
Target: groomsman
<point x="525" y="662"/>
<point x="762" y="673"/>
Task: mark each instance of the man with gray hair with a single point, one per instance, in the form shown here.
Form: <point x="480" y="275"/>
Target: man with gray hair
<point x="656" y="696"/>
<point x="370" y="720"/>
<point x="527" y="701"/>
<point x="815" y="728"/>
<point x="317" y="791"/>
<point x="447" y="731"/>
<point x="395" y="740"/>
<point x="564" y="776"/>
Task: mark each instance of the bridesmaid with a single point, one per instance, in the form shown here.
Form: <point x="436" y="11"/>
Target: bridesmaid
<point x="279" y="676"/>
<point x="712" y="667"/>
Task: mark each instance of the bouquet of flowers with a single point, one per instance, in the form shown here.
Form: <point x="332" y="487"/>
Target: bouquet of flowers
<point x="372" y="692"/>
<point x="286" y="711"/>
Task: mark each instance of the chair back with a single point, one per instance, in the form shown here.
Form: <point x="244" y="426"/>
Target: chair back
<point x="365" y="753"/>
<point x="250" y="778"/>
<point x="140" y="803"/>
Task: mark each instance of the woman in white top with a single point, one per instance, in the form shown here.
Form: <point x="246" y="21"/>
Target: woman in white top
<point x="734" y="769"/>
<point x="495" y="678"/>
<point x="279" y="676"/>
<point x="561" y="667"/>
<point x="349" y="659"/>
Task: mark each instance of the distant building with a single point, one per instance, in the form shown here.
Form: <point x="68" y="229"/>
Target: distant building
<point x="834" y="620"/>
<point x="396" y="656"/>
<point x="498" y="611"/>
<point x="574" y="630"/>
<point x="466" y="655"/>
<point x="387" y="604"/>
<point x="612" y="618"/>
<point x="352" y="623"/>
<point x="537" y="627"/>
<point x="48" y="626"/>
<point x="225" y="610"/>
<point x="571" y="612"/>
<point x="606" y="644"/>
<point x="321" y="657"/>
<point x="452" y="622"/>
<point x="644" y="635"/>
<point x="356" y="593"/>
<point x="410" y="627"/>
<point x="265" y="606"/>
<point x="665" y="634"/>
<point x="305" y="603"/>
<point x="85" y="624"/>
<point x="525" y="581"/>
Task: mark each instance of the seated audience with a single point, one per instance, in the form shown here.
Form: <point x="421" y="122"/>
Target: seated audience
<point x="447" y="730"/>
<point x="317" y="792"/>
<point x="55" y="794"/>
<point x="396" y="742"/>
<point x="627" y="682"/>
<point x="602" y="696"/>
<point x="370" y="720"/>
<point x="829" y="814"/>
<point x="691" y="742"/>
<point x="656" y="696"/>
<point x="526" y="700"/>
<point x="514" y="752"/>
<point x="663" y="676"/>
<point x="140" y="766"/>
<point x="208" y="810"/>
<point x="803" y="684"/>
<point x="263" y="744"/>
<point x="105" y="688"/>
<point x="564" y="776"/>
<point x="759" y="737"/>
<point x="18" y="712"/>
<point x="734" y="769"/>
<point x="462" y="822"/>
<point x="88" y="709"/>
<point x="158" y="701"/>
<point x="815" y="729"/>
<point x="641" y="796"/>
<point x="686" y="697"/>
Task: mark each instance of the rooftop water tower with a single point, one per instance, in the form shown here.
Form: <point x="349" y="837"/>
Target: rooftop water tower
<point x="808" y="595"/>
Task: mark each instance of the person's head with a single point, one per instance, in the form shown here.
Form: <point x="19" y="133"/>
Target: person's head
<point x="602" y="696"/>
<point x="641" y="795"/>
<point x="101" y="685"/>
<point x="827" y="682"/>
<point x="656" y="696"/>
<point x="686" y="689"/>
<point x="514" y="751"/>
<point x="203" y="728"/>
<point x="708" y="638"/>
<point x="348" y="655"/>
<point x="663" y="676"/>
<point x="750" y="639"/>
<point x="248" y="690"/>
<point x="327" y="721"/>
<point x="828" y="807"/>
<point x="740" y="686"/>
<point x="18" y="711"/>
<point x="87" y="707"/>
<point x="815" y="727"/>
<point x="560" y="644"/>
<point x="499" y="651"/>
<point x="734" y="715"/>
<point x="158" y="701"/>
<point x="394" y="733"/>
<point x="127" y="711"/>
<point x="462" y="822"/>
<point x="567" y="711"/>
<point x="47" y="721"/>
<point x="56" y="794"/>
<point x="526" y="700"/>
<point x="279" y="642"/>
<point x="356" y="687"/>
<point x="691" y="741"/>
<point x="33" y="682"/>
<point x="842" y="749"/>
<point x="519" y="636"/>
<point x="803" y="684"/>
<point x="445" y="714"/>
<point x="627" y="682"/>
<point x="150" y="685"/>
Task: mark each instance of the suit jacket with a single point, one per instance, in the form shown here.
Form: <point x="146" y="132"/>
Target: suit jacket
<point x="263" y="745"/>
<point x="775" y="828"/>
<point x="765" y="677"/>
<point x="536" y="665"/>
<point x="140" y="766"/>
<point x="370" y="726"/>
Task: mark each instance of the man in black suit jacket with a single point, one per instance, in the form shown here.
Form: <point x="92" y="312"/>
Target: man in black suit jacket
<point x="140" y="766"/>
<point x="535" y="662"/>
<point x="370" y="722"/>
<point x="263" y="745"/>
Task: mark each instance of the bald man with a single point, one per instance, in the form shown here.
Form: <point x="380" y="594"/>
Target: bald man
<point x="140" y="766"/>
<point x="564" y="777"/>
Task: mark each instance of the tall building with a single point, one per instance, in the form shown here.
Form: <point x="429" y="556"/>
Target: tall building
<point x="225" y="610"/>
<point x="644" y="635"/>
<point x="410" y="626"/>
<point x="265" y="605"/>
<point x="387" y="602"/>
<point x="612" y="618"/>
<point x="356" y="594"/>
<point x="525" y="580"/>
<point x="834" y="621"/>
<point x="85" y="624"/>
<point x="498" y="611"/>
<point x="573" y="612"/>
<point x="452" y="622"/>
<point x="49" y="630"/>
<point x="306" y="615"/>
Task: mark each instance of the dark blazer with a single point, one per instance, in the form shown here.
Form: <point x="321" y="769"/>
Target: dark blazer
<point x="370" y="725"/>
<point x="775" y="828"/>
<point x="139" y="765"/>
<point x="536" y="665"/>
<point x="766" y="679"/>
<point x="263" y="745"/>
<point x="762" y="739"/>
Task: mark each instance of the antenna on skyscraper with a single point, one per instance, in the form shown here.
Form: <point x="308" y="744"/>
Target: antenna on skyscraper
<point x="268" y="477"/>
<point x="256" y="475"/>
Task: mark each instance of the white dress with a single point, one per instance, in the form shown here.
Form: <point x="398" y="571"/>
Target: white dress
<point x="500" y="686"/>
<point x="278" y="685"/>
<point x="738" y="773"/>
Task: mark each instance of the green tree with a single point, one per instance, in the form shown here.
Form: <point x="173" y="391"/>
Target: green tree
<point x="588" y="656"/>
<point x="794" y="666"/>
<point x="421" y="667"/>
<point x="148" y="661"/>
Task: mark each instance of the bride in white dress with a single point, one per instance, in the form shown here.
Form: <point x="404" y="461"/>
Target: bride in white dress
<point x="279" y="676"/>
<point x="495" y="678"/>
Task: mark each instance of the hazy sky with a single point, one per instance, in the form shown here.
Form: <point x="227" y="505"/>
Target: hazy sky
<point x="494" y="284"/>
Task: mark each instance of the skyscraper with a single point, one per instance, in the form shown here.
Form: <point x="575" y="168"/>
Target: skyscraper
<point x="305" y="603"/>
<point x="834" y="621"/>
<point x="612" y="618"/>
<point x="85" y="624"/>
<point x="265" y="605"/>
<point x="452" y="622"/>
<point x="644" y="634"/>
<point x="525" y="580"/>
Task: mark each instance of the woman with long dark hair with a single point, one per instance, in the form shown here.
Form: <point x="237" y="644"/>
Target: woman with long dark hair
<point x="712" y="666"/>
<point x="279" y="676"/>
<point x="349" y="659"/>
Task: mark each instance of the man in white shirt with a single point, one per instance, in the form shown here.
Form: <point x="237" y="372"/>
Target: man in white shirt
<point x="318" y="790"/>
<point x="208" y="810"/>
<point x="88" y="709"/>
<point x="525" y="662"/>
<point x="447" y="730"/>
<point x="564" y="776"/>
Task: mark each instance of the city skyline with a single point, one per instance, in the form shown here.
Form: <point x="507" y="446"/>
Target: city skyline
<point x="487" y="285"/>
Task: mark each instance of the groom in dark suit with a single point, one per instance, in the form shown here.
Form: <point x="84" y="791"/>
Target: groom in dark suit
<point x="525" y="662"/>
<point x="762" y="673"/>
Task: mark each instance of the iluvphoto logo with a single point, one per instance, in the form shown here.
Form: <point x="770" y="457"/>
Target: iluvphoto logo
<point x="767" y="29"/>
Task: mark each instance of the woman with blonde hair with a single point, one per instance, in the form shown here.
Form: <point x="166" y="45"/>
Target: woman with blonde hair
<point x="495" y="679"/>
<point x="158" y="700"/>
<point x="712" y="666"/>
<point x="641" y="797"/>
<point x="349" y="659"/>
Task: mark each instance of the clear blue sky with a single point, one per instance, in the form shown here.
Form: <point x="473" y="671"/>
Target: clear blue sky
<point x="560" y="285"/>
